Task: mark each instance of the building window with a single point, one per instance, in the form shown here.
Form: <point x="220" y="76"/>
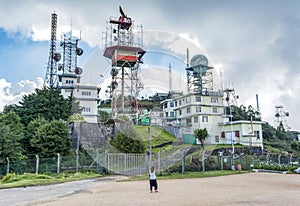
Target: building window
<point x="215" y="110"/>
<point x="172" y="114"/>
<point x="180" y="112"/>
<point x="86" y="93"/>
<point x="214" y="100"/>
<point x="179" y="102"/>
<point x="188" y="110"/>
<point x="167" y="115"/>
<point x="188" y="122"/>
<point x="86" y="109"/>
<point x="69" y="81"/>
<point x="256" y="133"/>
<point x="195" y="119"/>
<point x="171" y="104"/>
<point x="198" y="109"/>
<point x="176" y="104"/>
<point x="198" y="98"/>
<point x="217" y="138"/>
<point x="165" y="105"/>
<point x="204" y="118"/>
<point x="68" y="90"/>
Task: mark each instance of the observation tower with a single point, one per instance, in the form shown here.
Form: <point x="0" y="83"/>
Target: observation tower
<point x="124" y="47"/>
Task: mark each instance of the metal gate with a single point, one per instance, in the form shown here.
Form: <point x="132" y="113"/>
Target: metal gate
<point x="127" y="164"/>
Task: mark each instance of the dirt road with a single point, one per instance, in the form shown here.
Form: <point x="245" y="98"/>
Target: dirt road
<point x="243" y="189"/>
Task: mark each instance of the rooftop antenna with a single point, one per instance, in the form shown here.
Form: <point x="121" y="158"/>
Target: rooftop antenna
<point x="170" y="78"/>
<point x="257" y="107"/>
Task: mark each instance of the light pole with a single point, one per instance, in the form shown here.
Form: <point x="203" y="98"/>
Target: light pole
<point x="150" y="140"/>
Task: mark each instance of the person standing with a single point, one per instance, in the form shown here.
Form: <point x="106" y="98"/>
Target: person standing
<point x="152" y="179"/>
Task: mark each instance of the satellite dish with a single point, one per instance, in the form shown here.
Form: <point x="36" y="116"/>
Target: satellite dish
<point x="56" y="57"/>
<point x="79" y="51"/>
<point x="78" y="71"/>
<point x="114" y="72"/>
<point x="114" y="85"/>
<point x="199" y="60"/>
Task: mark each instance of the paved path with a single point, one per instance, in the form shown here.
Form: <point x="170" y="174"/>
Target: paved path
<point x="29" y="195"/>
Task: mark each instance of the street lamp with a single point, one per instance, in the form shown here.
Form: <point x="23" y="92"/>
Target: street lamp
<point x="150" y="140"/>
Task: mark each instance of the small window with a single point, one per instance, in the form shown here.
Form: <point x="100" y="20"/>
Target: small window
<point x="165" y="105"/>
<point x="198" y="98"/>
<point x="204" y="118"/>
<point x="188" y="110"/>
<point x="214" y="100"/>
<point x="217" y="138"/>
<point x="167" y="114"/>
<point x="215" y="110"/>
<point x="176" y="104"/>
<point x="188" y="122"/>
<point x="86" y="109"/>
<point x="179" y="102"/>
<point x="172" y="114"/>
<point x="171" y="104"/>
<point x="256" y="133"/>
<point x="180" y="112"/>
<point x="198" y="109"/>
<point x="195" y="119"/>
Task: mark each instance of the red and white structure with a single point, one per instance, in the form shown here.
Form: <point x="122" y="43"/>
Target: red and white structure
<point x="124" y="47"/>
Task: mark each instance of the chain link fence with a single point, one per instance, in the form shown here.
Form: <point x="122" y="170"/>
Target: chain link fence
<point x="179" y="160"/>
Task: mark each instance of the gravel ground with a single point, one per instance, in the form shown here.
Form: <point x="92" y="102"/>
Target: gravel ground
<point x="242" y="189"/>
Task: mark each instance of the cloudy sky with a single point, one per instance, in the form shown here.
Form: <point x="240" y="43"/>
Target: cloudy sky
<point x="253" y="44"/>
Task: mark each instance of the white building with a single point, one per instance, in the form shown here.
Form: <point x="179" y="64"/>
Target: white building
<point x="206" y="110"/>
<point x="85" y="94"/>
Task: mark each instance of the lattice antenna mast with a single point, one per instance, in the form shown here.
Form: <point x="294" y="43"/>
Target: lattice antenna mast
<point x="54" y="57"/>
<point x="281" y="117"/>
<point x="124" y="47"/>
<point x="69" y="45"/>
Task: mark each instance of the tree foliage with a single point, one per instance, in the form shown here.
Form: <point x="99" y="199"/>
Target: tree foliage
<point x="243" y="113"/>
<point x="11" y="135"/>
<point x="47" y="103"/>
<point x="128" y="141"/>
<point x="201" y="135"/>
<point x="51" y="138"/>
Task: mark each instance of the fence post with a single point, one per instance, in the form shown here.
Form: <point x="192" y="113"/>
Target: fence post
<point x="58" y="163"/>
<point x="97" y="160"/>
<point x="77" y="161"/>
<point x="159" y="159"/>
<point x="183" y="163"/>
<point x="279" y="159"/>
<point x="37" y="163"/>
<point x="7" y="168"/>
<point x="106" y="160"/>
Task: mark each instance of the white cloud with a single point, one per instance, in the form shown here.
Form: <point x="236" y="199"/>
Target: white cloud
<point x="13" y="94"/>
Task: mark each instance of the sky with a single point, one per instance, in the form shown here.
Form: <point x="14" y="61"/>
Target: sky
<point x="252" y="44"/>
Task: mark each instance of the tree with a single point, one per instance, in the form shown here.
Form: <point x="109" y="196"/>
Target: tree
<point x="201" y="135"/>
<point x="128" y="141"/>
<point x="31" y="133"/>
<point x="11" y="135"/>
<point x="47" y="103"/>
<point x="52" y="138"/>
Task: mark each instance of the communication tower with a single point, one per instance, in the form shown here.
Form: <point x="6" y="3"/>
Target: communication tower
<point x="124" y="47"/>
<point x="281" y="117"/>
<point x="199" y="75"/>
<point x="54" y="57"/>
<point x="69" y="45"/>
